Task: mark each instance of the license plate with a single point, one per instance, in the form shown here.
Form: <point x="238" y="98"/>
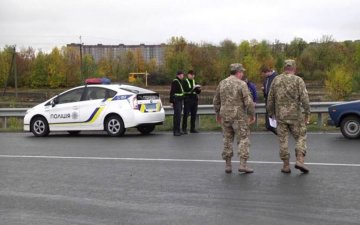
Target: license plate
<point x="151" y="107"/>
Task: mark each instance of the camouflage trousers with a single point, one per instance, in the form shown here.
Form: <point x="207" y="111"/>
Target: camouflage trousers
<point x="240" y="130"/>
<point x="298" y="131"/>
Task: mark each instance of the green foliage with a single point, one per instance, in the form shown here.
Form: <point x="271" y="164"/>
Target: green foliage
<point x="252" y="67"/>
<point x="356" y="82"/>
<point x="56" y="69"/>
<point x="39" y="71"/>
<point x="15" y="123"/>
<point x="62" y="68"/>
<point x="296" y="47"/>
<point x="89" y="67"/>
<point x="176" y="56"/>
<point x="339" y="83"/>
<point x="5" y="64"/>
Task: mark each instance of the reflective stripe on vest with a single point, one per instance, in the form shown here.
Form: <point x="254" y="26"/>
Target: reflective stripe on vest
<point x="182" y="90"/>
<point x="192" y="92"/>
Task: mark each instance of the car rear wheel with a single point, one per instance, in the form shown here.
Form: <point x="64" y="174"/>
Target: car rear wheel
<point x="146" y="129"/>
<point x="114" y="126"/>
<point x="350" y="127"/>
<point x="40" y="127"/>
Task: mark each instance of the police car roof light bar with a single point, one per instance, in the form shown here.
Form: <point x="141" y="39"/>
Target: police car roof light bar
<point x="103" y="80"/>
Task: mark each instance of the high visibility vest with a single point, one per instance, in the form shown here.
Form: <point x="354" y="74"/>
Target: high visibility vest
<point x="193" y="85"/>
<point x="182" y="90"/>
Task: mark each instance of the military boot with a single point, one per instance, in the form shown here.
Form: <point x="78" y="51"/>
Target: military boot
<point x="300" y="163"/>
<point x="286" y="166"/>
<point x="228" y="168"/>
<point x="243" y="167"/>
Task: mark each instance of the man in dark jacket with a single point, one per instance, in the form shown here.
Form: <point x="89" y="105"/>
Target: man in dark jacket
<point x="177" y="100"/>
<point x="269" y="77"/>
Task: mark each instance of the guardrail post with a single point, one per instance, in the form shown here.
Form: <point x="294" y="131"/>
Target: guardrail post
<point x="256" y="119"/>
<point x="5" y="122"/>
<point x="320" y="119"/>
<point x="197" y="122"/>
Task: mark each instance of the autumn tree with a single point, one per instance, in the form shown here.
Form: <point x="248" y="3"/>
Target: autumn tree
<point x="203" y="59"/>
<point x="5" y="64"/>
<point x="72" y="64"/>
<point x="25" y="59"/>
<point x="39" y="71"/>
<point x="338" y="83"/>
<point x="89" y="67"/>
<point x="176" y="56"/>
<point x="227" y="56"/>
<point x="56" y="69"/>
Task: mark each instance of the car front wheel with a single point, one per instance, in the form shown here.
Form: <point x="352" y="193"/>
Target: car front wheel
<point x="114" y="126"/>
<point x="40" y="127"/>
<point x="350" y="127"/>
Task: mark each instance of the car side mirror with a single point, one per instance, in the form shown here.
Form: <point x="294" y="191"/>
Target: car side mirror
<point x="54" y="102"/>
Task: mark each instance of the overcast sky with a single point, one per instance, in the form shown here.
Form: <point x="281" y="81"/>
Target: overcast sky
<point x="44" y="24"/>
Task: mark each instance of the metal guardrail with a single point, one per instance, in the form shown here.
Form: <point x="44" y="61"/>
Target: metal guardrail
<point x="319" y="108"/>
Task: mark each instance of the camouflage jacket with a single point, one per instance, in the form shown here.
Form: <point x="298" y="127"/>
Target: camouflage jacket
<point x="232" y="100"/>
<point x="286" y="97"/>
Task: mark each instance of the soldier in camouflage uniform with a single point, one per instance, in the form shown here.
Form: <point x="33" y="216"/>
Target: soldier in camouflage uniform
<point x="232" y="103"/>
<point x="287" y="95"/>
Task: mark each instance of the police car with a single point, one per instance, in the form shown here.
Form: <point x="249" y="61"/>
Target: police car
<point x="97" y="105"/>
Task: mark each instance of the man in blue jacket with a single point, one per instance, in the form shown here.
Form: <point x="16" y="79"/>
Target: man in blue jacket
<point x="252" y="88"/>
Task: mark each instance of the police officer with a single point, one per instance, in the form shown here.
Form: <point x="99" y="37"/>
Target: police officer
<point x="286" y="97"/>
<point x="233" y="103"/>
<point x="190" y="102"/>
<point x="176" y="100"/>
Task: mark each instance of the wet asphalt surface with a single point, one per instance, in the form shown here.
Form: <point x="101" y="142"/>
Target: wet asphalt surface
<point x="162" y="179"/>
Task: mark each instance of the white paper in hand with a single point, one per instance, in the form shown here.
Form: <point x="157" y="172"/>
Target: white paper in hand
<point x="272" y="122"/>
<point x="196" y="86"/>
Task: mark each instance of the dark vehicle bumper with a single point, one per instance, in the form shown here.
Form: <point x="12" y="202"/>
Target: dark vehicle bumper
<point x="330" y="122"/>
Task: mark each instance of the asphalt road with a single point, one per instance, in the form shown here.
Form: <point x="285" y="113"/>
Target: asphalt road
<point x="162" y="179"/>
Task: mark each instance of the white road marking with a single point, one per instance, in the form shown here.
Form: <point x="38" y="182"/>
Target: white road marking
<point x="164" y="160"/>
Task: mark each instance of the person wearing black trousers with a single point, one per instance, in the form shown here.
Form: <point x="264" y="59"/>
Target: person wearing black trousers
<point x="177" y="100"/>
<point x="269" y="76"/>
<point x="190" y="102"/>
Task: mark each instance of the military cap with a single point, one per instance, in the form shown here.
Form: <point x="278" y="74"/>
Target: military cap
<point x="237" y="67"/>
<point x="179" y="72"/>
<point x="289" y="63"/>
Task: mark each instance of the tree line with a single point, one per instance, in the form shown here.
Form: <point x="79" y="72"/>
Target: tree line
<point x="334" y="64"/>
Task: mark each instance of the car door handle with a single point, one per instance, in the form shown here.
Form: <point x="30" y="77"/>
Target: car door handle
<point x="75" y="107"/>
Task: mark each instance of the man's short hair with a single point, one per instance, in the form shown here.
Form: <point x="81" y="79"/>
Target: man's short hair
<point x="265" y="69"/>
<point x="191" y="72"/>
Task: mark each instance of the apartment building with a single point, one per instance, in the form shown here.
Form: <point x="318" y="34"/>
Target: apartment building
<point x="100" y="51"/>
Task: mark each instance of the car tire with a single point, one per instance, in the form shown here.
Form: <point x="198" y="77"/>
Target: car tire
<point x="350" y="127"/>
<point x="39" y="126"/>
<point x="146" y="129"/>
<point x="114" y="126"/>
<point x="74" y="132"/>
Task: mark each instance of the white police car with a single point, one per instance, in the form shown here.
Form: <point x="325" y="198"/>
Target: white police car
<point x="97" y="106"/>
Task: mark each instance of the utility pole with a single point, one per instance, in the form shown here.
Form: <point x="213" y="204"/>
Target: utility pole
<point x="81" y="61"/>
<point x="15" y="74"/>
